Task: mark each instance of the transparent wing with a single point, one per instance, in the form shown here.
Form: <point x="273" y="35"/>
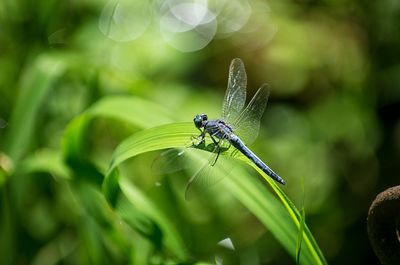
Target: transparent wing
<point x="235" y="96"/>
<point x="247" y="124"/>
<point x="200" y="163"/>
<point x="207" y="176"/>
<point x="169" y="161"/>
<point x="174" y="159"/>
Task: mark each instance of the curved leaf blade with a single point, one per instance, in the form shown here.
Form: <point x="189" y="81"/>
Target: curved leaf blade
<point x="284" y="224"/>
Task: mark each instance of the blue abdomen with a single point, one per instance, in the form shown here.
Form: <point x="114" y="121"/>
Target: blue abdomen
<point x="238" y="144"/>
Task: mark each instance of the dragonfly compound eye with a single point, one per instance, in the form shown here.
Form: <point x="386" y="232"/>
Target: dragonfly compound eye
<point x="198" y="120"/>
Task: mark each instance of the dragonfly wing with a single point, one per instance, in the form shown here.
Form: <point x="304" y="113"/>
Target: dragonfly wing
<point x="247" y="124"/>
<point x="199" y="182"/>
<point x="173" y="160"/>
<point x="235" y="96"/>
<point x="200" y="164"/>
<point x="169" y="161"/>
<point x="207" y="175"/>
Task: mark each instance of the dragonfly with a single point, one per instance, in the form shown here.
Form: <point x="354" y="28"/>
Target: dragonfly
<point x="237" y="127"/>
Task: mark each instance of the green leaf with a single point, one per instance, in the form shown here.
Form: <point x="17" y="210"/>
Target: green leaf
<point x="302" y="225"/>
<point x="284" y="224"/>
<point x="36" y="82"/>
<point x="280" y="215"/>
<point x="133" y="110"/>
<point x="131" y="205"/>
<point x="170" y="136"/>
<point x="45" y="160"/>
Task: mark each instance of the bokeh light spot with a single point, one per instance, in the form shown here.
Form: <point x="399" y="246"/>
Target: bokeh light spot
<point x="125" y="20"/>
<point x="188" y="27"/>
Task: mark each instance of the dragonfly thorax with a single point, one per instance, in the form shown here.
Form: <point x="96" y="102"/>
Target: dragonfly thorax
<point x="199" y="120"/>
<point x="218" y="128"/>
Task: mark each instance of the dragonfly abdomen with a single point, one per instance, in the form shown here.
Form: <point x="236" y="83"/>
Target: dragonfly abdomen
<point x="238" y="144"/>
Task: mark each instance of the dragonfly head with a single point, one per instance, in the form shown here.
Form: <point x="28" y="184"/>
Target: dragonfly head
<point x="199" y="119"/>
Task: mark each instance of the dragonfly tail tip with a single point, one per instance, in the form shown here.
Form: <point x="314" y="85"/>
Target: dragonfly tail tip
<point x="281" y="181"/>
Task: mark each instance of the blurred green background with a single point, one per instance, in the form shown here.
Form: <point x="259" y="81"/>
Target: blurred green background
<point x="331" y="128"/>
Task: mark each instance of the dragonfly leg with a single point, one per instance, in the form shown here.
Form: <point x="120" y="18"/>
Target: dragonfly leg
<point x="217" y="148"/>
<point x="200" y="139"/>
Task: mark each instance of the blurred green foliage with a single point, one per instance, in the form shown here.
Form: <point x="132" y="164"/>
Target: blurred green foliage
<point x="332" y="123"/>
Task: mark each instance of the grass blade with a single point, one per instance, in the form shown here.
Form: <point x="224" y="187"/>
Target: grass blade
<point x="35" y="85"/>
<point x="283" y="219"/>
<point x="284" y="224"/>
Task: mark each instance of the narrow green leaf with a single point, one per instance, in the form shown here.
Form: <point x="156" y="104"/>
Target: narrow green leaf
<point x="283" y="219"/>
<point x="131" y="109"/>
<point x="133" y="206"/>
<point x="161" y="226"/>
<point x="312" y="245"/>
<point x="35" y="84"/>
<point x="46" y="160"/>
<point x="169" y="136"/>
<point x="302" y="225"/>
<point x="283" y="224"/>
